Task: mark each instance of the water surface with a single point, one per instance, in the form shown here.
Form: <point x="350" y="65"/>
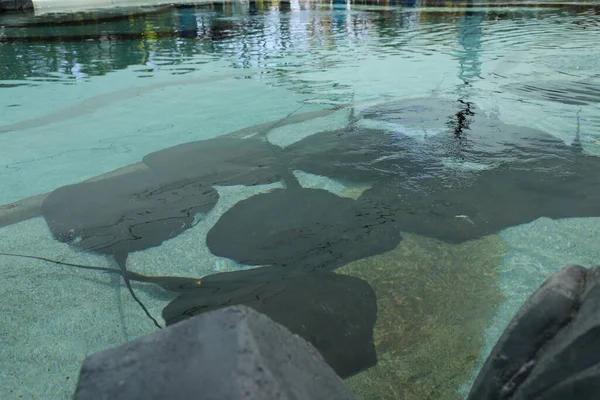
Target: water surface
<point x="475" y="126"/>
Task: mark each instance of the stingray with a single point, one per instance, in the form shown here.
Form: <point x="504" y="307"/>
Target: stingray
<point x="141" y="209"/>
<point x="501" y="175"/>
<point x="219" y="161"/>
<point x="561" y="183"/>
<point x="309" y="228"/>
<point x="336" y="313"/>
<point x="361" y="155"/>
<point x="30" y="207"/>
<point x="125" y="213"/>
<point x="407" y="140"/>
<point x="302" y="228"/>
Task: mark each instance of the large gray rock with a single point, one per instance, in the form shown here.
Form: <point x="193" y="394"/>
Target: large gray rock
<point x="232" y="353"/>
<point x="551" y="349"/>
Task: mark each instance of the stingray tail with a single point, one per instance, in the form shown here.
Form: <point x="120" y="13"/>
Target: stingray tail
<point x="167" y="283"/>
<point x="90" y="267"/>
<point x="121" y="259"/>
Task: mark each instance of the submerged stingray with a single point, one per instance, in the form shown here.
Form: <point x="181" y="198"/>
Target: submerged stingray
<point x="413" y="189"/>
<point x="125" y="213"/>
<point x="30" y="207"/>
<point x="561" y="184"/>
<point x="304" y="228"/>
<point x="409" y="139"/>
<point x="500" y="175"/>
<point x="219" y="161"/>
<point x="360" y="155"/>
<point x="336" y="313"/>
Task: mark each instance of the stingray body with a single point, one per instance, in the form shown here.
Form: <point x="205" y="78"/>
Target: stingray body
<point x="406" y="141"/>
<point x="557" y="183"/>
<point x="141" y="209"/>
<point x="360" y="155"/>
<point x="126" y="213"/>
<point x="336" y="313"/>
<point x="302" y="228"/>
<point x="219" y="161"/>
<point x="493" y="175"/>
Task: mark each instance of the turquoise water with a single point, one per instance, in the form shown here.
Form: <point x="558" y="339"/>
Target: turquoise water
<point x="86" y="94"/>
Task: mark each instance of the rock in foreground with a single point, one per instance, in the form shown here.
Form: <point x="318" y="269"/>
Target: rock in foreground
<point x="551" y="349"/>
<point x="232" y="353"/>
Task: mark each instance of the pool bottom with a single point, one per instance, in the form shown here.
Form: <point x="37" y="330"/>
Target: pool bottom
<point x="434" y="301"/>
<point x="441" y="307"/>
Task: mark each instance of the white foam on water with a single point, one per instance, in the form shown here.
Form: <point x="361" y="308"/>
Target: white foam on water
<point x="415" y="132"/>
<point x="460" y="165"/>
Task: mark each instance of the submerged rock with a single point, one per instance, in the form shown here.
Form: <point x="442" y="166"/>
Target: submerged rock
<point x="551" y="349"/>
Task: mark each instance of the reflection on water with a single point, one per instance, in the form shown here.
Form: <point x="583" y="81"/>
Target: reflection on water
<point x="257" y="33"/>
<point x="447" y="122"/>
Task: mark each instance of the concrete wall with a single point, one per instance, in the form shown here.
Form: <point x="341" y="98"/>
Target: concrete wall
<point x="66" y="6"/>
<point x="15" y="5"/>
<point x="52" y="6"/>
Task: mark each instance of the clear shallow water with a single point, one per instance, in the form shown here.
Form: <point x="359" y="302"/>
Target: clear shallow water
<point x="97" y="93"/>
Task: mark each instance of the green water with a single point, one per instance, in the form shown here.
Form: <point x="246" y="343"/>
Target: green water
<point x="86" y="94"/>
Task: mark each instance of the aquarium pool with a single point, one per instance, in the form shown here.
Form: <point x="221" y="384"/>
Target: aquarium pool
<point x="446" y="154"/>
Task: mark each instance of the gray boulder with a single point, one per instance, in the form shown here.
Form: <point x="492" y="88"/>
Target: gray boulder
<point x="228" y="354"/>
<point x="551" y="349"/>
